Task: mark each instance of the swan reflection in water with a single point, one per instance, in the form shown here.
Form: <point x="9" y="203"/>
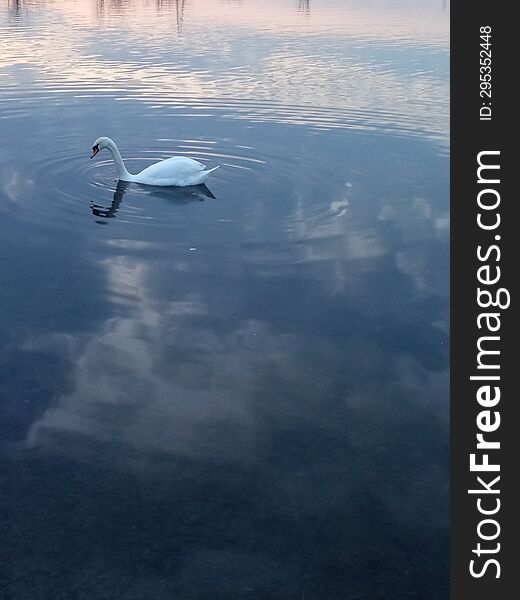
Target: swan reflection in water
<point x="177" y="195"/>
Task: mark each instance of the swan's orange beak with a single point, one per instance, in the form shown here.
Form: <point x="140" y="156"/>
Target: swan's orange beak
<point x="95" y="150"/>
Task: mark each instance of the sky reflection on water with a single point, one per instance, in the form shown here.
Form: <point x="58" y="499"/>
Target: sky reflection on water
<point x="238" y="391"/>
<point x="343" y="66"/>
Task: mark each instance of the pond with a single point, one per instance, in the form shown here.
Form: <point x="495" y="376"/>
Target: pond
<point x="240" y="390"/>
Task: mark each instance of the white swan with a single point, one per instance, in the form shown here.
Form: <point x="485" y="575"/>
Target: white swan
<point x="178" y="171"/>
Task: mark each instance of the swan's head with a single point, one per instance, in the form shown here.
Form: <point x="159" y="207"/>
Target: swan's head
<point x="100" y="144"/>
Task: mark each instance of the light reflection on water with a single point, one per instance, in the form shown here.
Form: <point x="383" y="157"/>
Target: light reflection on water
<point x="237" y="390"/>
<point x="257" y="61"/>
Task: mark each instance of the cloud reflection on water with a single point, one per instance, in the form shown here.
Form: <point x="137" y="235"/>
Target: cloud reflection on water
<point x="168" y="371"/>
<point x="172" y="379"/>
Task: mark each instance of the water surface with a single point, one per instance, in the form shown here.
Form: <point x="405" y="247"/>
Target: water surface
<point x="238" y="391"/>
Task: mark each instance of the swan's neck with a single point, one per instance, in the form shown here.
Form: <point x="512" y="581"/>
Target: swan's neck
<point x="122" y="173"/>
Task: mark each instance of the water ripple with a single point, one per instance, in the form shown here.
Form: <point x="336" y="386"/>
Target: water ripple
<point x="352" y="78"/>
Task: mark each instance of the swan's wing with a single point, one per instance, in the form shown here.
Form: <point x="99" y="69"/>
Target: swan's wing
<point x="177" y="167"/>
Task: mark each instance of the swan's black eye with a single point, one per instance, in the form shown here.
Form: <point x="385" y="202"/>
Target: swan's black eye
<point x="95" y="148"/>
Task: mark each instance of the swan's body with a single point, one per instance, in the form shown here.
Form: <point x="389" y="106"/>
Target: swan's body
<point x="176" y="171"/>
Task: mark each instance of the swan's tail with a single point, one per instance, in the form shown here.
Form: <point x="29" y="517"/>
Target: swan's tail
<point x="206" y="174"/>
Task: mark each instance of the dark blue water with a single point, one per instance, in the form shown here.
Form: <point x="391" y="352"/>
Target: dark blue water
<point x="239" y="391"/>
